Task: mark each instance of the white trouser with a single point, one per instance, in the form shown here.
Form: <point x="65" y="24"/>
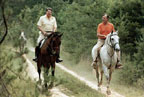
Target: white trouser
<point x="96" y="47"/>
<point x="41" y="36"/>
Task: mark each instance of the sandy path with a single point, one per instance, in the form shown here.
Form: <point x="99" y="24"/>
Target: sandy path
<point x="89" y="83"/>
<point x="57" y="93"/>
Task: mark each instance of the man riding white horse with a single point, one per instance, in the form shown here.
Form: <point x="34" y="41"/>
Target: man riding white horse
<point x="47" y="25"/>
<point x="103" y="30"/>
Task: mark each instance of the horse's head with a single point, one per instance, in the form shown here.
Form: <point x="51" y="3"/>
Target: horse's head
<point x="56" y="42"/>
<point x="113" y="40"/>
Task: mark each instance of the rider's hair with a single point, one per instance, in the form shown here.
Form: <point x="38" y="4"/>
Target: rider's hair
<point x="106" y="15"/>
<point x="49" y="8"/>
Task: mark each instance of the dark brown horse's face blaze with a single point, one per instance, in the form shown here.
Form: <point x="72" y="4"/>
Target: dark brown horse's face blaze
<point x="56" y="44"/>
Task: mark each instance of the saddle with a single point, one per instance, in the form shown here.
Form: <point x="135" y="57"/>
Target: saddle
<point x="41" y="43"/>
<point x="98" y="54"/>
<point x="98" y="57"/>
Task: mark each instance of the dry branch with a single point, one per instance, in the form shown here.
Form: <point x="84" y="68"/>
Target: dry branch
<point x="5" y="22"/>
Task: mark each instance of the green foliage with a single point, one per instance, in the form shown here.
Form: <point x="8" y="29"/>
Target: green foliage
<point x="127" y="17"/>
<point x="74" y="86"/>
<point x="12" y="80"/>
<point x="78" y="23"/>
<point x="133" y="70"/>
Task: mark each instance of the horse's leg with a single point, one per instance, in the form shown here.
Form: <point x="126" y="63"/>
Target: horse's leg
<point x="46" y="72"/>
<point x="20" y="47"/>
<point x="101" y="78"/>
<point x="97" y="73"/>
<point x="109" y="79"/>
<point x="39" y="69"/>
<point x="53" y="73"/>
<point x="39" y="72"/>
<point x="105" y="69"/>
<point x="53" y="69"/>
<point x="110" y="74"/>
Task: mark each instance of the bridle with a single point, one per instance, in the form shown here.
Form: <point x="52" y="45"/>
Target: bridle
<point x="112" y="45"/>
<point x="53" y="48"/>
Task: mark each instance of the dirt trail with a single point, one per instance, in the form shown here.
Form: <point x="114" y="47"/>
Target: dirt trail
<point x="57" y="93"/>
<point x="32" y="73"/>
<point x="87" y="82"/>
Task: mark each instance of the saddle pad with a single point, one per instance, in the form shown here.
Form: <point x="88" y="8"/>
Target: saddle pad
<point x="42" y="42"/>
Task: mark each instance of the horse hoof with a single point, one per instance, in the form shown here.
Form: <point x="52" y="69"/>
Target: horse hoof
<point x="39" y="87"/>
<point x="39" y="82"/>
<point x="99" y="84"/>
<point x="108" y="92"/>
<point x="51" y="85"/>
<point x="99" y="89"/>
<point x="46" y="86"/>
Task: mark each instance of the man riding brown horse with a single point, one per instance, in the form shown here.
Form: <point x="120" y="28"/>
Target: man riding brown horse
<point x="48" y="55"/>
<point x="47" y="25"/>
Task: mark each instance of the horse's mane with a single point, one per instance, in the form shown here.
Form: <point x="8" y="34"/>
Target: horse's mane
<point x="108" y="36"/>
<point x="57" y="33"/>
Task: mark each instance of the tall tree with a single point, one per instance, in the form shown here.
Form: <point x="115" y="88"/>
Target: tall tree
<point x="79" y="22"/>
<point x="128" y="19"/>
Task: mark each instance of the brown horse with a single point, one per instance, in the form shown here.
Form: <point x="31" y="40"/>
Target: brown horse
<point x="48" y="54"/>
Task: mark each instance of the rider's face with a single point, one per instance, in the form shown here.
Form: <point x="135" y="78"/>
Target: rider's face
<point x="49" y="13"/>
<point x="105" y="19"/>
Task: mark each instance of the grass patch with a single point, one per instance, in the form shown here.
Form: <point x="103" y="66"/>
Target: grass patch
<point x="83" y="68"/>
<point x="75" y="86"/>
<point x="14" y="82"/>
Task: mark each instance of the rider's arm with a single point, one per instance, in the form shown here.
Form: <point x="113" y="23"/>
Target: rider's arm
<point x="98" y="32"/>
<point x="40" y="28"/>
<point x="55" y="25"/>
<point x="113" y="28"/>
<point x="39" y="24"/>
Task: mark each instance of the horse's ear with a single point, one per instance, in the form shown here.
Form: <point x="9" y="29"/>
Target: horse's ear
<point x="112" y="32"/>
<point x="60" y="34"/>
<point x="117" y="32"/>
<point x="50" y="35"/>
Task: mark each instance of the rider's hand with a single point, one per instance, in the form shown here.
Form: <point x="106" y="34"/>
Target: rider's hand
<point x="45" y="34"/>
<point x="52" y="32"/>
<point x="100" y="35"/>
<point x="104" y="36"/>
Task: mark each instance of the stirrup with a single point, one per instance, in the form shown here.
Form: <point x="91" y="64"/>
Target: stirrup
<point x="96" y="60"/>
<point x="58" y="60"/>
<point x="118" y="65"/>
<point x="35" y="59"/>
<point x="94" y="64"/>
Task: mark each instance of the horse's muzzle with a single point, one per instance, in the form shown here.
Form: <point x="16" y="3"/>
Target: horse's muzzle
<point x="117" y="47"/>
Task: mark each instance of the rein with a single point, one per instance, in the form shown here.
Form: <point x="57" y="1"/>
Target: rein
<point x="112" y="46"/>
<point x="50" y="46"/>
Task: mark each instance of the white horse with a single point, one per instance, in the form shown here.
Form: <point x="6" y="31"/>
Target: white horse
<point x="107" y="59"/>
<point x="23" y="41"/>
